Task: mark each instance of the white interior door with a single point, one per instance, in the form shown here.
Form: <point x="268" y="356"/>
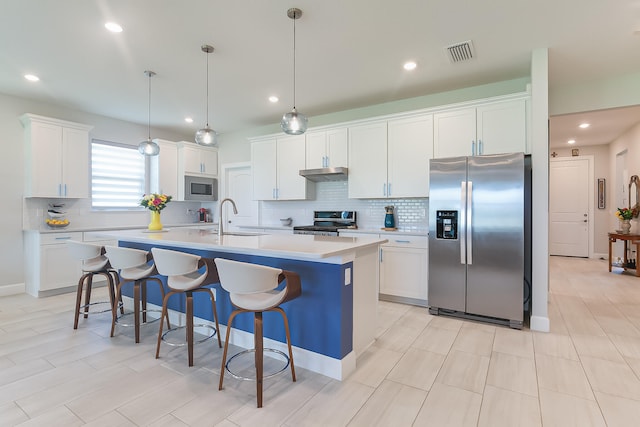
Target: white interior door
<point x="237" y="186"/>
<point x="569" y="207"/>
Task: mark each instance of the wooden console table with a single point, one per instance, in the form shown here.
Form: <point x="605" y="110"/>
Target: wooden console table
<point x="633" y="238"/>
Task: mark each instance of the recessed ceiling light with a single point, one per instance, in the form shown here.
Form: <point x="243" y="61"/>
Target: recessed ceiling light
<point x="410" y="65"/>
<point x="113" y="27"/>
<point x="571" y="141"/>
<point x="584" y="125"/>
<point x="31" y="77"/>
<point x="188" y="119"/>
<point x="273" y="99"/>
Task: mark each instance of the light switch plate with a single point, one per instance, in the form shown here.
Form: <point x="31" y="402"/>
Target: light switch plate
<point x="347" y="276"/>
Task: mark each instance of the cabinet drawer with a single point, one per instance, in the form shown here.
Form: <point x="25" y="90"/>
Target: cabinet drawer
<point x="57" y="238"/>
<point x="405" y="241"/>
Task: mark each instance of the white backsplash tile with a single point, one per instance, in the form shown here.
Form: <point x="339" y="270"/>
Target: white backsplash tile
<point x="411" y="214"/>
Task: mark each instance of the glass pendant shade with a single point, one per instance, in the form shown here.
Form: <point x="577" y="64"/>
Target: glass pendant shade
<point x="207" y="137"/>
<point x="149" y="148"/>
<point x="294" y="123"/>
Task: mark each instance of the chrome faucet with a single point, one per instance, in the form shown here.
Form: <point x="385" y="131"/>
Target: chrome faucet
<point x="235" y="211"/>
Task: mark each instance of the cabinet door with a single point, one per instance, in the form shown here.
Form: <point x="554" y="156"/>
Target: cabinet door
<point x="75" y="163"/>
<point x="209" y="160"/>
<point x="502" y="127"/>
<point x="263" y="169"/>
<point x="57" y="269"/>
<point x="191" y="160"/>
<point x="337" y="148"/>
<point x="164" y="171"/>
<point x="45" y="158"/>
<point x="316" y="150"/>
<point x="409" y="149"/>
<point x="454" y="133"/>
<point x="368" y="161"/>
<point x="290" y="158"/>
<point x="403" y="272"/>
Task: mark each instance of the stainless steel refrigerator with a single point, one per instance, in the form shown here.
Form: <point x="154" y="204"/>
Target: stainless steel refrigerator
<point x="478" y="237"/>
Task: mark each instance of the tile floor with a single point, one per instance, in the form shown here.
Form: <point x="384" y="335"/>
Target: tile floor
<point x="422" y="371"/>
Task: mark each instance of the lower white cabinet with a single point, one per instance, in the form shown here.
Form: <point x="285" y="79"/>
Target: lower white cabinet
<point x="402" y="267"/>
<point x="48" y="265"/>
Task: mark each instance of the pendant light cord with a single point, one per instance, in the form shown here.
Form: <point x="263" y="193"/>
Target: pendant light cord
<point x="294" y="60"/>
<point x="207" y="118"/>
<point x="149" y="122"/>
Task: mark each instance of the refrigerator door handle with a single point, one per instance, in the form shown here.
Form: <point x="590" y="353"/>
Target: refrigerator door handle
<point x="463" y="219"/>
<point x="469" y="212"/>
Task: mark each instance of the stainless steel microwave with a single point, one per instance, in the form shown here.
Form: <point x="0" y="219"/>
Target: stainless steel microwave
<point x="200" y="188"/>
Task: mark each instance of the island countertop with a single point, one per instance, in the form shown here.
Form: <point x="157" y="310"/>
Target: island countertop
<point x="327" y="249"/>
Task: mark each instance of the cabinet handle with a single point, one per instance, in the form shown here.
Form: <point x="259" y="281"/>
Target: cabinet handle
<point x="65" y="190"/>
<point x="402" y="241"/>
<point x="480" y="150"/>
<point x="389" y="188"/>
<point x="473" y="148"/>
<point x="63" y="238"/>
<point x="380" y="254"/>
<point x="384" y="189"/>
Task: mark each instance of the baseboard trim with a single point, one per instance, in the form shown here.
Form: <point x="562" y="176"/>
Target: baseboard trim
<point x="12" y="289"/>
<point x="540" y="324"/>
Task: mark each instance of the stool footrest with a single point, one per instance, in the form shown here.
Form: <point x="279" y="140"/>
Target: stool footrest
<point x="213" y="333"/>
<point x="109" y="309"/>
<point x="253" y="350"/>
<point x="119" y="323"/>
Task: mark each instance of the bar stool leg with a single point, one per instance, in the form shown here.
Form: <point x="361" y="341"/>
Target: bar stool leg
<point x="189" y="313"/>
<point x="259" y="356"/>
<point x="87" y="295"/>
<point x="78" y="300"/>
<point x="143" y="286"/>
<point x="136" y="309"/>
<point x="288" y="335"/>
<point x="226" y="347"/>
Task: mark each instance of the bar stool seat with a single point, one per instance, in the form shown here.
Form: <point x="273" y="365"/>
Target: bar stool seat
<point x="94" y="262"/>
<point x="253" y="289"/>
<point x="184" y="277"/>
<point x="133" y="266"/>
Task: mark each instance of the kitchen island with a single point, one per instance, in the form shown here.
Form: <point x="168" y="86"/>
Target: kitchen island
<point x="332" y="322"/>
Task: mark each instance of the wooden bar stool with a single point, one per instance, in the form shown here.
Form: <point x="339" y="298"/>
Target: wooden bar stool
<point x="94" y="262"/>
<point x="183" y="276"/>
<point x="252" y="289"/>
<point x="133" y="266"/>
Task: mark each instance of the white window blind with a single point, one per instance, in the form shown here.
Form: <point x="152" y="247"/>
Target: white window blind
<point x="117" y="176"/>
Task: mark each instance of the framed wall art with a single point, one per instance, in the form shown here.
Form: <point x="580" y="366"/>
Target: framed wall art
<point x="601" y="193"/>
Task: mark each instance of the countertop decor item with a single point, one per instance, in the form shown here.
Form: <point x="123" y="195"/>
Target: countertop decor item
<point x="624" y="213"/>
<point x="285" y="221"/>
<point x="389" y="219"/>
<point x="155" y="203"/>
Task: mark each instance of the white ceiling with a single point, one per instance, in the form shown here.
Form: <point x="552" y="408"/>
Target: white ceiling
<point x="349" y="52"/>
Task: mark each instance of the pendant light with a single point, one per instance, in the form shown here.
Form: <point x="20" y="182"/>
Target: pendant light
<point x="207" y="136"/>
<point x="294" y="123"/>
<point x="148" y="147"/>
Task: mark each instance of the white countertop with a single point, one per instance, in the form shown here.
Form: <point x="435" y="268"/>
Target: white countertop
<point x="71" y="228"/>
<point x="290" y="246"/>
<point x="381" y="232"/>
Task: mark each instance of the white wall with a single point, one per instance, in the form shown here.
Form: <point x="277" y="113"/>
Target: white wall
<point x="628" y="141"/>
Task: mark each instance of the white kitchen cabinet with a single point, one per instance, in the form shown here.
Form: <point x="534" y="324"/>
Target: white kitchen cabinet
<point x="275" y="167"/>
<point x="403" y="269"/>
<point x="489" y="128"/>
<point x="56" y="158"/>
<point x="164" y="169"/>
<point x="368" y="161"/>
<point x="49" y="268"/>
<point x="196" y="160"/>
<point x="326" y="149"/>
<point x="391" y="159"/>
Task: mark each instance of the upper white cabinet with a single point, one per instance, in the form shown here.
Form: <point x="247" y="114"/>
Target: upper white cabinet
<point x="391" y="159"/>
<point x="489" y="128"/>
<point x="164" y="169"/>
<point x="56" y="157"/>
<point x="196" y="160"/>
<point x="325" y="149"/>
<point x="275" y="167"/>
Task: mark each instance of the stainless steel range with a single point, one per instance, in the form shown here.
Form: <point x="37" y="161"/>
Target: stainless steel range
<point x="327" y="223"/>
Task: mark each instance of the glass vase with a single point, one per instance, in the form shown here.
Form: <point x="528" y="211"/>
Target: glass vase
<point x="155" y="224"/>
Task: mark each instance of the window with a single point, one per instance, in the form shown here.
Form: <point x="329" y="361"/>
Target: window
<point x="117" y="175"/>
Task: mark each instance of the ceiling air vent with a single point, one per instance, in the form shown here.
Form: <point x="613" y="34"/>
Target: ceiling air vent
<point x="460" y="51"/>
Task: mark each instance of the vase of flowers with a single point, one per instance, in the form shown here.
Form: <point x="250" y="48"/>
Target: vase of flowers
<point x="155" y="203"/>
<point x="625" y="215"/>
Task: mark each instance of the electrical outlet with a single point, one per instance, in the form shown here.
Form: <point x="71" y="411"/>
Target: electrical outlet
<point x="347" y="276"/>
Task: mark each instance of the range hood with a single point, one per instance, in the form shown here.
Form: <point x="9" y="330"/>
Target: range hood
<point x="325" y="174"/>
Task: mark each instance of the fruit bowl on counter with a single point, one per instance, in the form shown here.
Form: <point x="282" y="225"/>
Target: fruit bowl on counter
<point x="57" y="223"/>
